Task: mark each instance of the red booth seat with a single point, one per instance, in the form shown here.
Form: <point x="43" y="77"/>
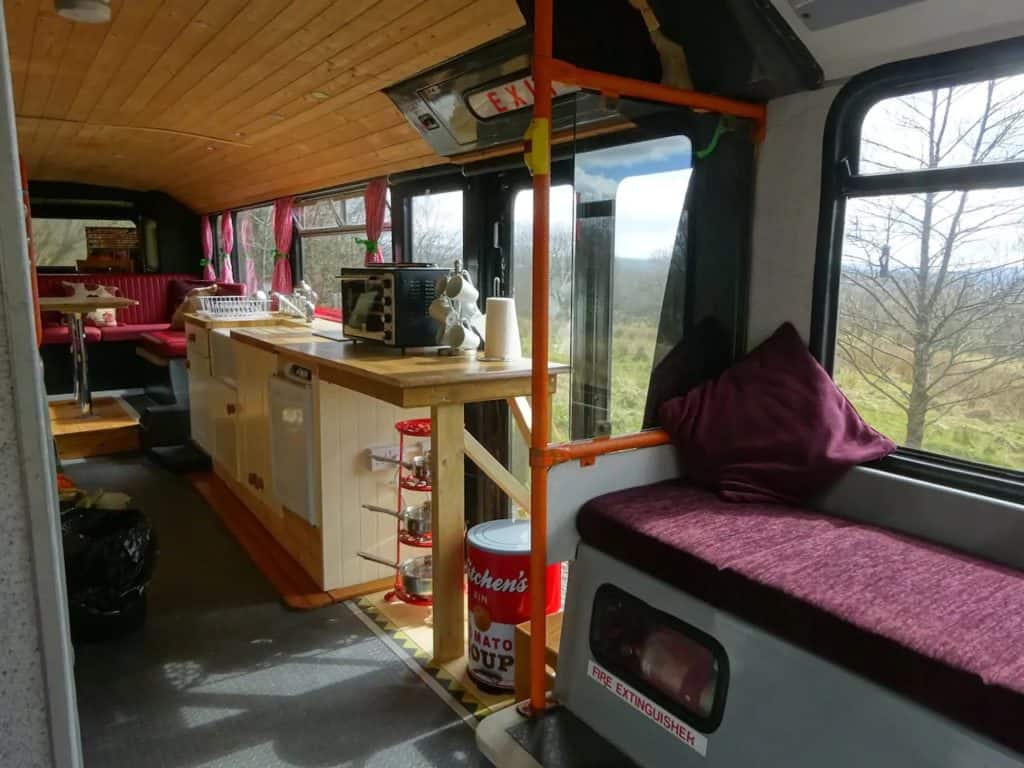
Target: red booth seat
<point x="157" y="294"/>
<point x="167" y="344"/>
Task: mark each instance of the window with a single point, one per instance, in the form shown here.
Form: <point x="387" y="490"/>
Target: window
<point x="613" y="242"/>
<point x="920" y="301"/>
<point x="331" y="228"/>
<point x="436" y="233"/>
<point x="680" y="667"/>
<point x="254" y="239"/>
<point x="65" y="242"/>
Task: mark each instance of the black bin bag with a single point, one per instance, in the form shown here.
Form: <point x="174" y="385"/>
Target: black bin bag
<point x="109" y="557"/>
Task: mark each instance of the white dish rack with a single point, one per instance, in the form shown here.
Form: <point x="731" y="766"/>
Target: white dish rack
<point x="234" y="307"/>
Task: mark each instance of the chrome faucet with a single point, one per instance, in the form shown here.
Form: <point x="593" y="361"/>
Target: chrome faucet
<point x="297" y="304"/>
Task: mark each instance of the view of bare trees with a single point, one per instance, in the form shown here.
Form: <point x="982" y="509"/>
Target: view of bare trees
<point x="437" y="228"/>
<point x="931" y="315"/>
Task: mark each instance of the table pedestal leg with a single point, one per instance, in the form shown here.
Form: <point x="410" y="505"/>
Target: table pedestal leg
<point x="448" y="456"/>
<point x="76" y="326"/>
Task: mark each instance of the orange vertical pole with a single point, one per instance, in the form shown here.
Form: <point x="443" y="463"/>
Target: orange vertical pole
<point x="539" y="159"/>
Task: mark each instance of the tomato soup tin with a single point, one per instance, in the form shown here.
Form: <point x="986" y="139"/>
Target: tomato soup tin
<point x="498" y="567"/>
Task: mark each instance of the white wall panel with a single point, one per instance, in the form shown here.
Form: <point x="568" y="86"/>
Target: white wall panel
<point x="786" y="203"/>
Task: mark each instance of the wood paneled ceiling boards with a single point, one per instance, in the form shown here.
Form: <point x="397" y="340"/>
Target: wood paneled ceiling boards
<point x="226" y="102"/>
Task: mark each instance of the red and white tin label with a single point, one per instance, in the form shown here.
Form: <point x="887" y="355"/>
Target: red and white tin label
<point x="698" y="742"/>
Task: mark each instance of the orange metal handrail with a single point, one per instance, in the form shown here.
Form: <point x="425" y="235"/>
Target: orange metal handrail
<point x="589" y="449"/>
<point x="540" y="140"/>
<point x="615" y="85"/>
<point x="538" y="152"/>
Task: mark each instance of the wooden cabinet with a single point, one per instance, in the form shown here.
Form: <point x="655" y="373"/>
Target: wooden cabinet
<point x="253" y="368"/>
<point x="223" y="424"/>
<point x="199" y="381"/>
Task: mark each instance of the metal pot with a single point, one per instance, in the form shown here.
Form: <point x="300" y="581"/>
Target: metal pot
<point x="416" y="518"/>
<point x="417" y="573"/>
<point x="419" y="466"/>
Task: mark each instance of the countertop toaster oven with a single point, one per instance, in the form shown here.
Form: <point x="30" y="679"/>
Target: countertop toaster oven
<point x="390" y="303"/>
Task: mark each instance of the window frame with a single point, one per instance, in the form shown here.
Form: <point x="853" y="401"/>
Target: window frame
<point x="840" y="182"/>
<point x="346" y="193"/>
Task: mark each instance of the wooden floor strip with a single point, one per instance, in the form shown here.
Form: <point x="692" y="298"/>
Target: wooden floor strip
<point x="296" y="587"/>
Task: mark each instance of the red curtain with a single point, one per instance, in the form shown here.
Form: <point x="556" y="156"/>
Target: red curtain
<point x="376" y="200"/>
<point x="245" y="237"/>
<point x="282" y="280"/>
<point x="227" y="245"/>
<point x="207" y="262"/>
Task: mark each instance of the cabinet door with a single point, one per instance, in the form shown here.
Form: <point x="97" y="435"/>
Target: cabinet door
<point x="253" y="368"/>
<point x="199" y="403"/>
<point x="223" y="418"/>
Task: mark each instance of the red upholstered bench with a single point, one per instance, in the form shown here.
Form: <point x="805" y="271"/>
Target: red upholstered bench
<point x="942" y="628"/>
<point x="165" y="344"/>
<point x="156" y="294"/>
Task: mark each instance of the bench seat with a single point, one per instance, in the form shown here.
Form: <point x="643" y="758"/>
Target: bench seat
<point x="939" y="627"/>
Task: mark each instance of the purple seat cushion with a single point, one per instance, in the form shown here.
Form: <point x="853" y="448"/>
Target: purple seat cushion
<point x="945" y="629"/>
<point x="773" y="427"/>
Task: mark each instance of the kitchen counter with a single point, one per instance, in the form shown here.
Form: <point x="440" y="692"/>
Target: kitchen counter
<point x="444" y="384"/>
<point x="405" y="380"/>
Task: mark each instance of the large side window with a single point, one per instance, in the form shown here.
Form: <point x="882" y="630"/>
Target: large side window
<point x="920" y="302"/>
<point x="254" y="239"/>
<point x="435" y="236"/>
<point x="331" y="228"/>
<point x="66" y="242"/>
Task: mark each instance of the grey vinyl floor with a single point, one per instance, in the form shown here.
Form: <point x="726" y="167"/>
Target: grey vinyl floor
<point x="222" y="675"/>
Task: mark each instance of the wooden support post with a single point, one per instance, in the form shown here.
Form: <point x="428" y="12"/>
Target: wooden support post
<point x="448" y="455"/>
<point x="490" y="466"/>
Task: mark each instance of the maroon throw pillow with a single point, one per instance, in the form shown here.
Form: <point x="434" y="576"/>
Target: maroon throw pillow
<point x="772" y="428"/>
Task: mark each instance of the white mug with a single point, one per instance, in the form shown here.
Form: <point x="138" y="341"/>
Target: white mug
<point x="440" y="309"/>
<point x="460" y="288"/>
<point x="461" y="336"/>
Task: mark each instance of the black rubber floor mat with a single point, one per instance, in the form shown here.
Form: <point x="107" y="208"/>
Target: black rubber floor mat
<point x="559" y="739"/>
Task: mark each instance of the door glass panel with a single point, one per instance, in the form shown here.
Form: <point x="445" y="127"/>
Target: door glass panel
<point x="560" y="304"/>
<point x="437" y="228"/>
<point x="630" y="237"/>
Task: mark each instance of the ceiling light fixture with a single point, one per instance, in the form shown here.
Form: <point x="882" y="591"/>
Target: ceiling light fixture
<point x="84" y="11"/>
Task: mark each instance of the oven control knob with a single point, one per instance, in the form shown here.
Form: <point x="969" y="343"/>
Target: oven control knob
<point x="387" y="317"/>
<point x="387" y="301"/>
<point x="387" y="335"/>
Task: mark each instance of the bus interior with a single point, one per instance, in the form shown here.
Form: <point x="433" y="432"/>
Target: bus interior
<point x="512" y="383"/>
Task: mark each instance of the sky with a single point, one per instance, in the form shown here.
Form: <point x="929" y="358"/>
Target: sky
<point x="647" y="180"/>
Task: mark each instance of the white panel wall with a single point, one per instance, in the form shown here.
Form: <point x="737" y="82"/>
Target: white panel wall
<point x="786" y="201"/>
<point x="349" y="423"/>
<point x="38" y="718"/>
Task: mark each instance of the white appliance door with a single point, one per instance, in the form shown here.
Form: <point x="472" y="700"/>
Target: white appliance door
<point x="291" y="446"/>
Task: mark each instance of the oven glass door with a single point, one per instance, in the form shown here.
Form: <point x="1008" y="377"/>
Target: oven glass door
<point x="362" y="301"/>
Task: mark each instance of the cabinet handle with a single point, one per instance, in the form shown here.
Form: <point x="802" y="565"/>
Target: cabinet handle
<point x="191" y="337"/>
<point x="230" y="409"/>
<point x="188" y="365"/>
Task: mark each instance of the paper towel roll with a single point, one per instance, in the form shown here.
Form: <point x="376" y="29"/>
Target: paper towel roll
<point x="502" y="330"/>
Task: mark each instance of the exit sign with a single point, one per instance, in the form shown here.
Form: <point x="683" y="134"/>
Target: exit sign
<point x="510" y="96"/>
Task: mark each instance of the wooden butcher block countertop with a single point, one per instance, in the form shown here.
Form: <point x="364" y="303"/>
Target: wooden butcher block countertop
<point x="406" y="380"/>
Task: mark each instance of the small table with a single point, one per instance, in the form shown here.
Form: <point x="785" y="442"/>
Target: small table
<point x="75" y="311"/>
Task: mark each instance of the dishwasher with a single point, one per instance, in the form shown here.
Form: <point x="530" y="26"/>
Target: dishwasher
<point x="292" y="451"/>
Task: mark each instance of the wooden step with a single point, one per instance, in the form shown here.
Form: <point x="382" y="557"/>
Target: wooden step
<point x="112" y="428"/>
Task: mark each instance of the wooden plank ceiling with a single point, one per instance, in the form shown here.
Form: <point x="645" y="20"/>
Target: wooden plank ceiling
<point x="226" y="102"/>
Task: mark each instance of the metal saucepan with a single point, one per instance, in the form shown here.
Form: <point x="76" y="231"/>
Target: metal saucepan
<point x="419" y="466"/>
<point x="417" y="573"/>
<point x="415" y="517"/>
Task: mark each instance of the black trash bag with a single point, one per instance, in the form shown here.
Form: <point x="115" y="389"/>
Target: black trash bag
<point x="109" y="557"/>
